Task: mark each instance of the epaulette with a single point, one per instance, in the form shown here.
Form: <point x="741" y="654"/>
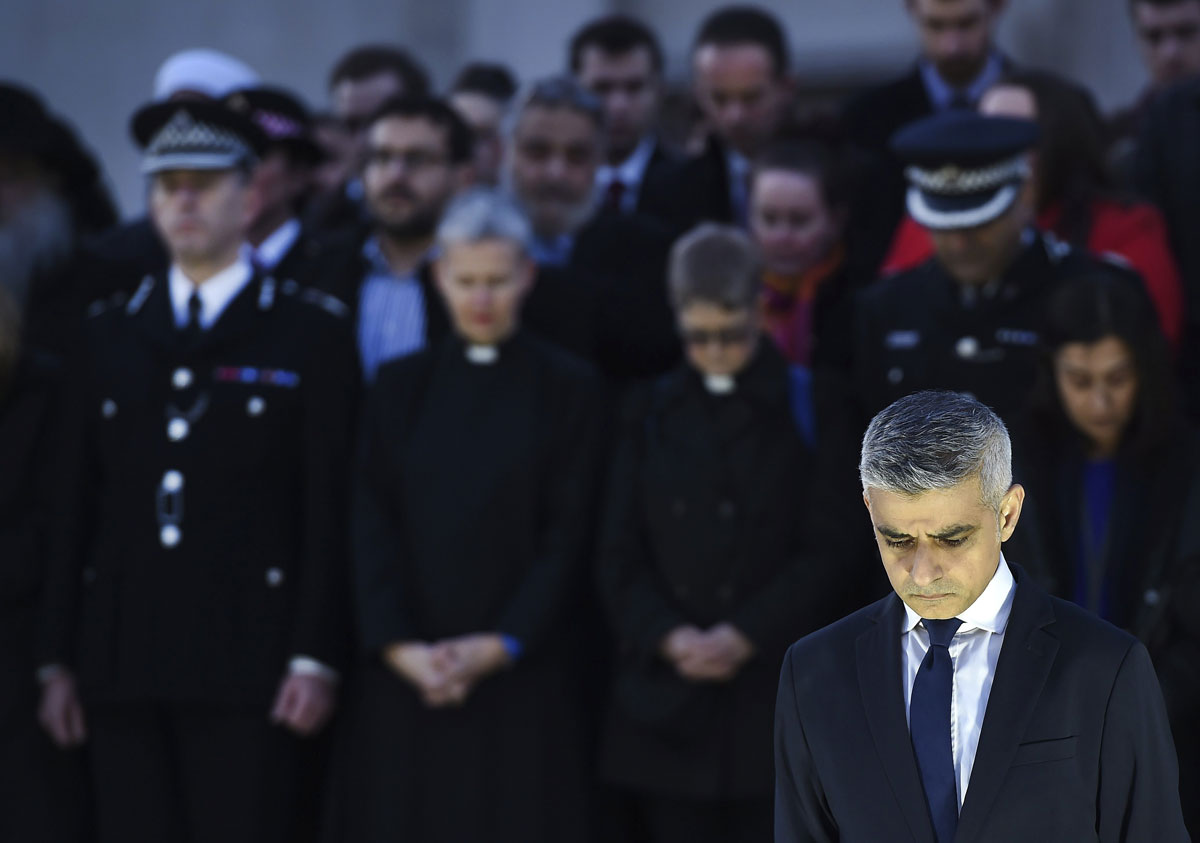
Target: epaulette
<point x="311" y="295"/>
<point x="101" y="306"/>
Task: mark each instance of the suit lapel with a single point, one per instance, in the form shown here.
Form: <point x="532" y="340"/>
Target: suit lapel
<point x="879" y="678"/>
<point x="149" y="311"/>
<point x="1025" y="661"/>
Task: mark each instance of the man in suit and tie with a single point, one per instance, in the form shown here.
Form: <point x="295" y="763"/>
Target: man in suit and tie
<point x="957" y="63"/>
<point x="969" y="705"/>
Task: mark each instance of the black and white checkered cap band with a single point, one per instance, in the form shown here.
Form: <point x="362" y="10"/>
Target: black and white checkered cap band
<point x="186" y="144"/>
<point x="954" y="181"/>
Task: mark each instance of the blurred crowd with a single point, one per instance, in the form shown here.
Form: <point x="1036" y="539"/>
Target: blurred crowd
<point x="458" y="465"/>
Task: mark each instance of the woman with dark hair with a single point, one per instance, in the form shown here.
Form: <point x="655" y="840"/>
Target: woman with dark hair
<point x="1077" y="197"/>
<point x="1113" y="480"/>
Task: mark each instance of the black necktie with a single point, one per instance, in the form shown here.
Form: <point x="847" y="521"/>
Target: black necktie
<point x="614" y="195"/>
<point x="929" y="727"/>
<point x="192" y="328"/>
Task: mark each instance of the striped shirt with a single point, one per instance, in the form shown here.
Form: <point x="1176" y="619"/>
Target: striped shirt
<point x="391" y="313"/>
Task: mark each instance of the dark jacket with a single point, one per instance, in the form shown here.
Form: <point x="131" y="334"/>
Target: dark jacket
<point x="471" y="513"/>
<point x="697" y="190"/>
<point x="1152" y="558"/>
<point x="609" y="304"/>
<point x="199" y="537"/>
<point x="1075" y="743"/>
<point x="707" y="521"/>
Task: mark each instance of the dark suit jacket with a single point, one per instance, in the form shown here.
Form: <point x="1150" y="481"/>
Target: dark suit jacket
<point x="1075" y="743"/>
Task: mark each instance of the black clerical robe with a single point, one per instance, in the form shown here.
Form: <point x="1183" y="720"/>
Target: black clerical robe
<point x="471" y="510"/>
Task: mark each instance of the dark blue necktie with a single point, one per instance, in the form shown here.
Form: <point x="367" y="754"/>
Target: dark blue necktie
<point x="929" y="726"/>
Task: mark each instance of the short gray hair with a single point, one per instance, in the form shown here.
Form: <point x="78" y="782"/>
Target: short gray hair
<point x="557" y="92"/>
<point x="935" y="440"/>
<point x="715" y="263"/>
<point x="484" y="214"/>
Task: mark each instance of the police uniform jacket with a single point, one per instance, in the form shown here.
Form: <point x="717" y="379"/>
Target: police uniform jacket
<point x="198" y="534"/>
<point x="916" y="330"/>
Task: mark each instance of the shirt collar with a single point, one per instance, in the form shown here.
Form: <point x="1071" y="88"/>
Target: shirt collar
<point x="378" y="264"/>
<point x="215" y="294"/>
<point x="990" y="610"/>
<point x="942" y="93"/>
<point x="552" y="252"/>
<point x="630" y="171"/>
<point x="271" y="251"/>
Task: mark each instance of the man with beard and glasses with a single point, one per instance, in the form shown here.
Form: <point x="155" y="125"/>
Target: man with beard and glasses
<point x="52" y="197"/>
<point x="959" y="61"/>
<point x="600" y="290"/>
<point x="418" y="158"/>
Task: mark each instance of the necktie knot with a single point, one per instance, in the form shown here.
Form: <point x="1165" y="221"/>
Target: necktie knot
<point x="941" y="631"/>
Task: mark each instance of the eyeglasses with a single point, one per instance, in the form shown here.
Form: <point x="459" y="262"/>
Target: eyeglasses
<point x="721" y="336"/>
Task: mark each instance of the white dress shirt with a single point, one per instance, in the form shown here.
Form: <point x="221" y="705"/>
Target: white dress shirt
<point x="271" y="251"/>
<point x="974" y="651"/>
<point x="215" y="294"/>
<point x="629" y="173"/>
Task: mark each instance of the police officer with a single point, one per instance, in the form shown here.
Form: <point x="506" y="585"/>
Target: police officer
<point x="967" y="319"/>
<point x="194" y="615"/>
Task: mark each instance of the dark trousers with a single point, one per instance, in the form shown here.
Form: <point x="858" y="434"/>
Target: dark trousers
<point x="43" y="790"/>
<point x="646" y="818"/>
<point x="176" y="773"/>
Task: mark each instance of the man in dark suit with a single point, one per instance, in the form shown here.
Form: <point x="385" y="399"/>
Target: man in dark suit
<point x="741" y="85"/>
<point x="969" y="705"/>
<point x="195" y="604"/>
<point x="600" y="292"/>
<point x="619" y="60"/>
<point x="958" y="62"/>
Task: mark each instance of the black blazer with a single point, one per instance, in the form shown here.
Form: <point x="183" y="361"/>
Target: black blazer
<point x="1075" y="744"/>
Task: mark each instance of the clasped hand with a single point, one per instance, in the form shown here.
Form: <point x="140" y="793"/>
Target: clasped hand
<point x="446" y="672"/>
<point x="713" y="655"/>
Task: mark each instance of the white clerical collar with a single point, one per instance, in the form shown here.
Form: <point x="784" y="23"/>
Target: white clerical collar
<point x="719" y="384"/>
<point x="215" y="293"/>
<point x="990" y="610"/>
<point x="271" y="251"/>
<point x="483" y="355"/>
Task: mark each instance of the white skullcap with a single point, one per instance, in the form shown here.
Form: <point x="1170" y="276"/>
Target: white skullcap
<point x="205" y="72"/>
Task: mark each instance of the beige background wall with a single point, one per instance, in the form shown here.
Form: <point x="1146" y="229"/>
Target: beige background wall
<point x="94" y="60"/>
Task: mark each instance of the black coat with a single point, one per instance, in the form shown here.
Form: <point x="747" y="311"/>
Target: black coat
<point x="697" y="190"/>
<point x="707" y="521"/>
<point x="870" y="120"/>
<point x="253" y="483"/>
<point x="609" y="304"/>
<point x="41" y="787"/>
<point x="1153" y="556"/>
<point x="1074" y="746"/>
<point x="470" y="515"/>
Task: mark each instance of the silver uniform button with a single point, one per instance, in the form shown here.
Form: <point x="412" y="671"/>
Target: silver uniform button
<point x="182" y="378"/>
<point x="1152" y="597"/>
<point x="255" y="406"/>
<point x="967" y="347"/>
<point x="895" y="375"/>
<point x="169" y="535"/>
<point x="178" y="429"/>
<point x="172" y="481"/>
<point x="108" y="409"/>
<point x="274" y="577"/>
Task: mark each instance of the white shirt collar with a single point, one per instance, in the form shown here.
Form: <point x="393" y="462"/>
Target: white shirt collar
<point x="215" y="294"/>
<point x="629" y="171"/>
<point x="271" y="251"/>
<point x="990" y="610"/>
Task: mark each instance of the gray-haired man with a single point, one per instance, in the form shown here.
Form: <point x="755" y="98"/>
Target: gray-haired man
<point x="975" y="707"/>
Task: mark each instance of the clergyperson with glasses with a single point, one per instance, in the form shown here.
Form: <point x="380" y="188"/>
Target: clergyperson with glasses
<point x="706" y="564"/>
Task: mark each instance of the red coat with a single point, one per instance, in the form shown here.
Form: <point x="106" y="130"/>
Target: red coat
<point x="1133" y="231"/>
